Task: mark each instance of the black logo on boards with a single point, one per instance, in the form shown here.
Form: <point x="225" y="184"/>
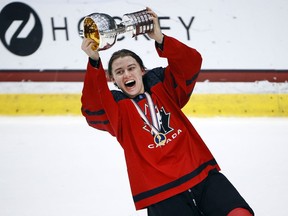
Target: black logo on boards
<point x="20" y="29"/>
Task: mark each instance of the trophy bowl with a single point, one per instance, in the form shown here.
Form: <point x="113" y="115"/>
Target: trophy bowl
<point x="101" y="28"/>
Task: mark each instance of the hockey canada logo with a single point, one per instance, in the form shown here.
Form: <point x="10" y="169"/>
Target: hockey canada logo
<point x="20" y="29"/>
<point x="165" y="129"/>
<point x="163" y="119"/>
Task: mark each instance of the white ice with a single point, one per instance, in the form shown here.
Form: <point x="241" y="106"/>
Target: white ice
<point x="58" y="166"/>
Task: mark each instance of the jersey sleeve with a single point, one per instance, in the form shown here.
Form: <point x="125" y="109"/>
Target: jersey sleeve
<point x="98" y="104"/>
<point x="184" y="64"/>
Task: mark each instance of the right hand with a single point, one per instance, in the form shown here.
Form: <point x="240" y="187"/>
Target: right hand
<point x="87" y="47"/>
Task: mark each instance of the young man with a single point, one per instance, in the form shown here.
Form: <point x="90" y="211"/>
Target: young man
<point x="171" y="170"/>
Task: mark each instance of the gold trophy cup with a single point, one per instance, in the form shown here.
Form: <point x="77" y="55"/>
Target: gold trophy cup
<point x="103" y="29"/>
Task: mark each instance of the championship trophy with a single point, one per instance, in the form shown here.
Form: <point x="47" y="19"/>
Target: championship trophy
<point x="103" y="29"/>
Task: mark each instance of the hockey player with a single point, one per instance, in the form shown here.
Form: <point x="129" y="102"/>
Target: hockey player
<point x="171" y="170"/>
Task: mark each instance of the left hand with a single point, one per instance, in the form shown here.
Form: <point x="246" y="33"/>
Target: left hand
<point x="156" y="34"/>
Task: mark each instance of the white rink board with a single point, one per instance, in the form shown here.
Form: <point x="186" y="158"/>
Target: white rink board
<point x="229" y="34"/>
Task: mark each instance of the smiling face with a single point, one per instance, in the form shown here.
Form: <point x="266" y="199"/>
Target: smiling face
<point x="127" y="74"/>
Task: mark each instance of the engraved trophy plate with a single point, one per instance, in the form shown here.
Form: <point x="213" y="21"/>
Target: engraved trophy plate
<point x="103" y="29"/>
<point x="138" y="22"/>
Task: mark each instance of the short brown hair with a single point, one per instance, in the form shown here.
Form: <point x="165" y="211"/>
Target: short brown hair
<point x="123" y="53"/>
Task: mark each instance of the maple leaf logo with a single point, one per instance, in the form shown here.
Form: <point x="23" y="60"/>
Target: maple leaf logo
<point x="163" y="120"/>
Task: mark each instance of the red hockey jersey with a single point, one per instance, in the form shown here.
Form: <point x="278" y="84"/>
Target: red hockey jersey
<point x="155" y="172"/>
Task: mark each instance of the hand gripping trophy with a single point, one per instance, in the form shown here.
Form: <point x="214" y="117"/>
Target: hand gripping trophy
<point x="103" y="29"/>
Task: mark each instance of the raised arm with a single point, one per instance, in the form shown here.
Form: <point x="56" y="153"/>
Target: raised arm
<point x="184" y="63"/>
<point x="98" y="105"/>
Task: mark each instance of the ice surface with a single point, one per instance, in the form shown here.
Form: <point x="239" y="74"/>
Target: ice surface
<point x="58" y="166"/>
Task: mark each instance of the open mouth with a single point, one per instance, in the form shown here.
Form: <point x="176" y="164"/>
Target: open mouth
<point x="130" y="83"/>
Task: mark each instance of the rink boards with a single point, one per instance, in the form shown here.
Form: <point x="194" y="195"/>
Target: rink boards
<point x="201" y="105"/>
